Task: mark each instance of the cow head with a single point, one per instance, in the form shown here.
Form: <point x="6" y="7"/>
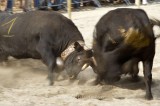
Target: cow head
<point x="108" y="69"/>
<point x="77" y="61"/>
<point x="111" y="64"/>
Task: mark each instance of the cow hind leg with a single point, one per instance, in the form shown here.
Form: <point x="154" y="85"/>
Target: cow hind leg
<point x="135" y="77"/>
<point x="48" y="58"/>
<point x="147" y="67"/>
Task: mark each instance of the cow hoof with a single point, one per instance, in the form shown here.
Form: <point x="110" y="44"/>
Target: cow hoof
<point x="135" y="79"/>
<point x="73" y="77"/>
<point x="72" y="80"/>
<point x="94" y="83"/>
<point x="51" y="83"/>
<point x="149" y="97"/>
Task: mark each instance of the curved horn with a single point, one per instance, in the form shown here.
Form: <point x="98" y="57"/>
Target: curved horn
<point x="84" y="66"/>
<point x="94" y="61"/>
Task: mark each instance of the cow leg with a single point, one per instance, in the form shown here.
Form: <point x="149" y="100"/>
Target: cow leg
<point x="135" y="77"/>
<point x="98" y="80"/>
<point x="147" y="67"/>
<point x="48" y="58"/>
<point x="3" y="58"/>
<point x="51" y="66"/>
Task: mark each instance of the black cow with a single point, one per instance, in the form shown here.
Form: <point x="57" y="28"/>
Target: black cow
<point x="124" y="36"/>
<point x="38" y="35"/>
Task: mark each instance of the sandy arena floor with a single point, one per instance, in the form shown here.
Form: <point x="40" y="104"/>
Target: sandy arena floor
<point x="24" y="83"/>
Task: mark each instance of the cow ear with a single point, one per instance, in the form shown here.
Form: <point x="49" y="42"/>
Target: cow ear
<point x="89" y="53"/>
<point x="78" y="47"/>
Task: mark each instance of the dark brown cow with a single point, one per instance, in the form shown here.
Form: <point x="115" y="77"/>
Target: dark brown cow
<point x="121" y="36"/>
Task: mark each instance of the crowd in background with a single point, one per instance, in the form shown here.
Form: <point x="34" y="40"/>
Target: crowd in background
<point x="27" y="5"/>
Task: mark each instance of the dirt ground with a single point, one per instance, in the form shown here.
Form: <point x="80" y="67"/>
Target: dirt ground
<point x="23" y="82"/>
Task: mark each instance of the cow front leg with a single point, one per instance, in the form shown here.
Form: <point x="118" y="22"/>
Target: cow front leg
<point x="51" y="66"/>
<point x="147" y="67"/>
<point x="98" y="80"/>
<point x="48" y="58"/>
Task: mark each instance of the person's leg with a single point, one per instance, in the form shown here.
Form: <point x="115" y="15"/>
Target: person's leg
<point x="59" y="4"/>
<point x="20" y="3"/>
<point x="76" y="3"/>
<point x="27" y="5"/>
<point x="37" y="3"/>
<point x="43" y="4"/>
<point x="49" y="3"/>
<point x="97" y="3"/>
<point x="30" y="4"/>
<point x="9" y="7"/>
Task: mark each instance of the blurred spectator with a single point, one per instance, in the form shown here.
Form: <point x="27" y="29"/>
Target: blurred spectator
<point x="28" y="5"/>
<point x="76" y="3"/>
<point x="127" y="2"/>
<point x="54" y="4"/>
<point x="45" y="4"/>
<point x="96" y="3"/>
<point x="58" y="4"/>
<point x="37" y="3"/>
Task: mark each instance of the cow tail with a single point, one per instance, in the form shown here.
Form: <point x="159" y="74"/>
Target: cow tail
<point x="155" y="22"/>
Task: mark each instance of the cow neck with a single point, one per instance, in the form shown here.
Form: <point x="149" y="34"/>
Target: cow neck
<point x="70" y="49"/>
